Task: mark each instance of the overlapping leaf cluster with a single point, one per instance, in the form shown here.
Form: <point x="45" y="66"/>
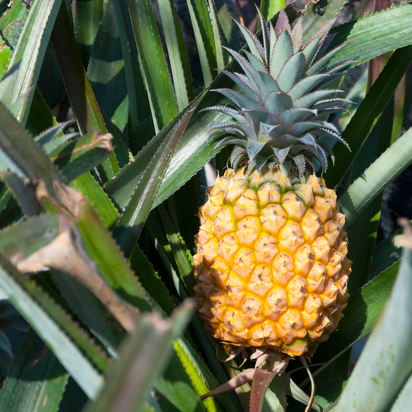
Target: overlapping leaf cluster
<point x="98" y="214"/>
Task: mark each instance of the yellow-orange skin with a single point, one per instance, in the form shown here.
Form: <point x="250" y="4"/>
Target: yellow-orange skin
<point x="271" y="266"/>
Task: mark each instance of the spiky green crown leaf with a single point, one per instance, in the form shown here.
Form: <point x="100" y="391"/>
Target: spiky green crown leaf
<point x="277" y="114"/>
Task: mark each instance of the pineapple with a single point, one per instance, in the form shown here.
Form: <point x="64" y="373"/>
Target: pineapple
<point x="272" y="266"/>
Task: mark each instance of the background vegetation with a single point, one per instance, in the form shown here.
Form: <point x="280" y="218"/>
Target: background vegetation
<point x="98" y="214"/>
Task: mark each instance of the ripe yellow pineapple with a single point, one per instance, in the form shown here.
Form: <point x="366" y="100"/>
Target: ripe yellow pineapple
<point x="271" y="266"/>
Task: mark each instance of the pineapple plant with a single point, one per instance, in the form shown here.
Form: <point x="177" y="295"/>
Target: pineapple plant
<point x="103" y="140"/>
<point x="272" y="266"/>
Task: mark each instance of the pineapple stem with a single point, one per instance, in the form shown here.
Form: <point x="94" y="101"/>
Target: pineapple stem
<point x="312" y="382"/>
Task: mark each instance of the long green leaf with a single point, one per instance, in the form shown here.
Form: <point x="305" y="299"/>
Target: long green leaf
<point x="23" y="194"/>
<point x="87" y="185"/>
<point x="12" y="22"/>
<point x="138" y="101"/>
<point x="86" y="18"/>
<point x="26" y="296"/>
<point x="384" y="255"/>
<point x="78" y="88"/>
<point x="141" y="360"/>
<point x="205" y="42"/>
<point x="220" y="61"/>
<point x="151" y="281"/>
<point x="90" y="310"/>
<point x="382" y="368"/>
<point x="371" y="107"/>
<point x="33" y="385"/>
<point x="30" y="51"/>
<point x="404" y="400"/>
<point x="5" y="54"/>
<point x="21" y="154"/>
<point x="179" y="62"/>
<point x="374" y="34"/>
<point x="83" y="154"/>
<point x="317" y="14"/>
<point x="40" y="117"/>
<point x="193" y="151"/>
<point x="107" y="77"/>
<point x="110" y="262"/>
<point x="28" y="236"/>
<point x="388" y="166"/>
<point x="363" y="234"/>
<point x="194" y="365"/>
<point x="179" y="393"/>
<point x="156" y="74"/>
<point x="180" y="252"/>
<point x="167" y="254"/>
<point x="130" y="224"/>
<point x="270" y="7"/>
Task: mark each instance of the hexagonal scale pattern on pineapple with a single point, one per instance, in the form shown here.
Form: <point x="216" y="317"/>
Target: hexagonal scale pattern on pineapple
<point x="271" y="267"/>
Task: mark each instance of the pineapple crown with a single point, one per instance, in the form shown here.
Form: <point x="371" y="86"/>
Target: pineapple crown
<point x="277" y="114"/>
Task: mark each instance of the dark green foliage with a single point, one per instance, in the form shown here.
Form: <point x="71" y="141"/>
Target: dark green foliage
<point x="98" y="215"/>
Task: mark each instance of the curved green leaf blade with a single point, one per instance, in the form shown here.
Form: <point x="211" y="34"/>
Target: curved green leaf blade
<point x="404" y="400"/>
<point x="83" y="154"/>
<point x="87" y="185"/>
<point x="5" y="54"/>
<point x="151" y="281"/>
<point x="86" y="18"/>
<point x="106" y="73"/>
<point x="30" y="51"/>
<point x="175" y="386"/>
<point x="220" y="61"/>
<point x="179" y="62"/>
<point x="388" y="166"/>
<point x="33" y="385"/>
<point x="130" y="224"/>
<point x="40" y="117"/>
<point x="382" y="368"/>
<point x="156" y="74"/>
<point x="374" y="35"/>
<point x="363" y="234"/>
<point x="141" y="360"/>
<point x="270" y="7"/>
<point x="193" y="151"/>
<point x="21" y="154"/>
<point x="13" y="21"/>
<point x="139" y="106"/>
<point x="28" y="236"/>
<point x="204" y="36"/>
<point x="384" y="255"/>
<point x="181" y="254"/>
<point x="22" y="293"/>
<point x="50" y="135"/>
<point x="78" y="88"/>
<point x="316" y="15"/>
<point x="371" y="107"/>
<point x="90" y="310"/>
<point x="110" y="262"/>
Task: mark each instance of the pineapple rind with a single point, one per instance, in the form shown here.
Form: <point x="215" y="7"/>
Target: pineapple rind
<point x="272" y="264"/>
